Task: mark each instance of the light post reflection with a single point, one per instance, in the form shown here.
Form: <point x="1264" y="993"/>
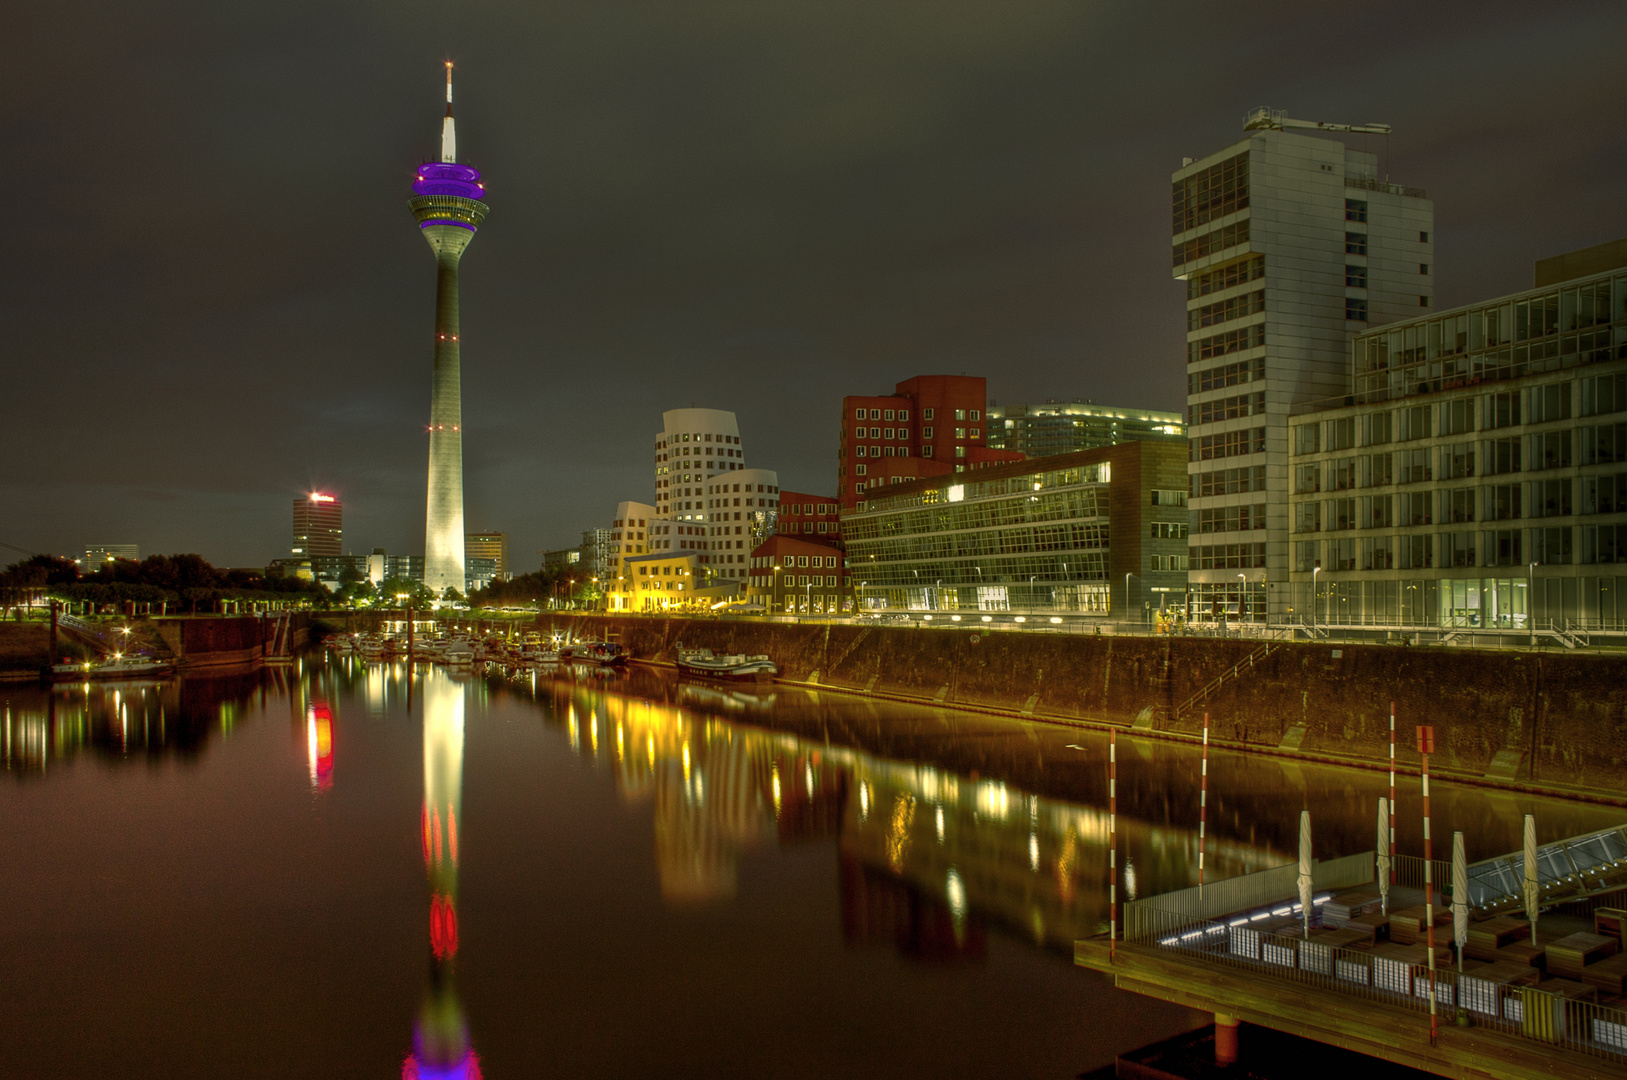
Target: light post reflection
<point x="441" y="1048"/>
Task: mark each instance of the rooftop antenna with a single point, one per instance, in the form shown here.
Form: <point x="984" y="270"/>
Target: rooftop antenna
<point x="449" y="135"/>
<point x="1269" y="119"/>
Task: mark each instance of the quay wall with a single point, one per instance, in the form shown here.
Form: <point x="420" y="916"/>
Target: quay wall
<point x="1542" y="718"/>
<point x="209" y="640"/>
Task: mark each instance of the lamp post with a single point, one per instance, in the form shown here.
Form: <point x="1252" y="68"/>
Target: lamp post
<point x="1531" y="601"/>
<point x="1317" y="569"/>
<point x="937" y="595"/>
<point x="1242" y="601"/>
<point x="1127" y="578"/>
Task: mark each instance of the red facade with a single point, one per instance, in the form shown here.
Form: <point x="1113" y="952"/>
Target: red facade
<point x="930" y="425"/>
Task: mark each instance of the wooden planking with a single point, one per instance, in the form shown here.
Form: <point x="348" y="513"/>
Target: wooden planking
<point x="1375" y="1028"/>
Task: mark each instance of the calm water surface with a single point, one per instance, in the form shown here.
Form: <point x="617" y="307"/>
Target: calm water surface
<point x="332" y="872"/>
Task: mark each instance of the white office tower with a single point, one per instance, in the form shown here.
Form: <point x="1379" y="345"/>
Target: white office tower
<point x="1289" y="245"/>
<point x="693" y="446"/>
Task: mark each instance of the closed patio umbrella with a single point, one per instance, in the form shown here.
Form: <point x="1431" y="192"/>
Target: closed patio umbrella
<point x="1531" y="893"/>
<point x="1460" y="897"/>
<point x="1383" y="850"/>
<point x="1306" y="885"/>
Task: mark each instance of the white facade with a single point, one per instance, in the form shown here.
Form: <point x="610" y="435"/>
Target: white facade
<point x="693" y="445"/>
<point x="1288" y="245"/>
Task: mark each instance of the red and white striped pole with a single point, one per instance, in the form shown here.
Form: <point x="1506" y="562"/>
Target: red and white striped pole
<point x="1392" y="793"/>
<point x="1203" y="799"/>
<point x="1112" y="843"/>
<point x="1426" y="746"/>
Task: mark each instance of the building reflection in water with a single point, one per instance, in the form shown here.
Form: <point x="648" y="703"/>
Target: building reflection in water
<point x="925" y="856"/>
<point x="441" y="1048"/>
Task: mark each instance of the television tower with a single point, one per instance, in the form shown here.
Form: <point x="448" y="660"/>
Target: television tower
<point x="447" y="205"/>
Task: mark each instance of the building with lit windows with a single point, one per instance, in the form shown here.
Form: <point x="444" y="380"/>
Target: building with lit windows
<point x="654" y="583"/>
<point x="693" y="446"/>
<point x="1287" y="246"/>
<point x="318" y="526"/>
<point x="931" y="425"/>
<point x="97" y="554"/>
<point x="488" y="545"/>
<point x="1032" y="536"/>
<point x="1473" y="474"/>
<point x="798" y="576"/>
<point x="1064" y="427"/>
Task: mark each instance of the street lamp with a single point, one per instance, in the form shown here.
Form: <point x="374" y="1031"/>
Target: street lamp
<point x="937" y="597"/>
<point x="1317" y="569"/>
<point x="1531" y="600"/>
<point x="1127" y="578"/>
<point x="1242" y="601"/>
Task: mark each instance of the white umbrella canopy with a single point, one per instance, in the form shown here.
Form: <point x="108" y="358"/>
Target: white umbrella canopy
<point x="1383" y="850"/>
<point x="1460" y="896"/>
<point x="1531" y="893"/>
<point x="1306" y="884"/>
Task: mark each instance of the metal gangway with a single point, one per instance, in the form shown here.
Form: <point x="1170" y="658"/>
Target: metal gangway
<point x="1574" y="869"/>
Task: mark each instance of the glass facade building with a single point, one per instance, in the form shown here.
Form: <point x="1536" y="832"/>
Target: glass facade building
<point x="1476" y="478"/>
<point x="1065" y="427"/>
<point x="1091" y="533"/>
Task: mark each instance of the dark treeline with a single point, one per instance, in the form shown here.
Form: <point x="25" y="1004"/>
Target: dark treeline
<point x="540" y="586"/>
<point x="185" y="580"/>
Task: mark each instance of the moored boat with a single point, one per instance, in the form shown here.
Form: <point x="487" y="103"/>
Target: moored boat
<point x="122" y="667"/>
<point x="603" y="653"/>
<point x="735" y="667"/>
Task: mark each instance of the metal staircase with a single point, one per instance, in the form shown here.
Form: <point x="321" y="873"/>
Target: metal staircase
<point x="1231" y="674"/>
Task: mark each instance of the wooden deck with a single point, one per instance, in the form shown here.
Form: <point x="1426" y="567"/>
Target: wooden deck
<point x="1366" y="1026"/>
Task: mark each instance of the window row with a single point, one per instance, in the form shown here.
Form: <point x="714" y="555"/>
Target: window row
<point x="1226" y="444"/>
<point x="1493" y="502"/>
<point x="1564" y="545"/>
<point x="1232" y="274"/>
<point x="1210" y="242"/>
<point x="1236" y="307"/>
<point x="885" y="414"/>
<point x="1218" y="378"/>
<point x="1228" y="481"/>
<point x="1168" y="530"/>
<point x="1227" y="556"/>
<point x="1248" y="337"/>
<point x="1232" y="518"/>
<point x="1212" y="193"/>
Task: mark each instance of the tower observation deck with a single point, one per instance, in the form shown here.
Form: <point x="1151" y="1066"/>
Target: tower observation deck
<point x="447" y="205"/>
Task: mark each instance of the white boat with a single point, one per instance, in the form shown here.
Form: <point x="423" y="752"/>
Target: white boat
<point x="122" y="667"/>
<point x="734" y="667"/>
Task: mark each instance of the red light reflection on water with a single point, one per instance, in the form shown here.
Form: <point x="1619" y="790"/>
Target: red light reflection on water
<point x="319" y="745"/>
<point x="443" y="927"/>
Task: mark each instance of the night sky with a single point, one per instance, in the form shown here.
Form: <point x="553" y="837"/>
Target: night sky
<point x="215" y="298"/>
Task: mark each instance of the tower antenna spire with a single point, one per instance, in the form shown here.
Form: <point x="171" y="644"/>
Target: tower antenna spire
<point x="449" y="134"/>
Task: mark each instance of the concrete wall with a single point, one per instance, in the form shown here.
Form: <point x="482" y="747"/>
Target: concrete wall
<point x="209" y="640"/>
<point x="1563" y="716"/>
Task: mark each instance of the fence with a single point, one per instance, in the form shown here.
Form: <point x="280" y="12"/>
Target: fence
<point x="1265" y="888"/>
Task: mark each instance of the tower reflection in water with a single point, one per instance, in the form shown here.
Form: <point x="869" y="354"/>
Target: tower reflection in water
<point x="441" y="1049"/>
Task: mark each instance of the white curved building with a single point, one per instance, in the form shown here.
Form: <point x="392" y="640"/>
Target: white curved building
<point x="693" y="446"/>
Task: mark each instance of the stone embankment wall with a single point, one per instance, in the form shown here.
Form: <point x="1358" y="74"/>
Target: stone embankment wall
<point x="1550" y="719"/>
<point x="209" y="641"/>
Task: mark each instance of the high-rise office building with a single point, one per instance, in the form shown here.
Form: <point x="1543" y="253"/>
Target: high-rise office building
<point x="928" y="426"/>
<point x="318" y="526"/>
<point x="488" y="545"/>
<point x="1288" y="245"/>
<point x="447" y="204"/>
<point x="1065" y="427"/>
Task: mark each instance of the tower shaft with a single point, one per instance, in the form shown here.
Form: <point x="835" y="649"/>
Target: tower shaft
<point x="443" y="520"/>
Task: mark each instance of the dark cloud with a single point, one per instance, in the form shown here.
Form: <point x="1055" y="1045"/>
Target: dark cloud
<point x="215" y="297"/>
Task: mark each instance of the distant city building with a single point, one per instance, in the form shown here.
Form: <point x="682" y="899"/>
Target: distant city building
<point x="1030" y="536"/>
<point x="318" y="526"/>
<point x="96" y="554"/>
<point x="595" y="550"/>
<point x="562" y="559"/>
<point x="792" y="574"/>
<point x="479" y="573"/>
<point x="1288" y="245"/>
<point x="1065" y="427"/>
<point x="404" y="567"/>
<point x="331" y="570"/>
<point x="931" y="425"/>
<point x="1473" y="473"/>
<point x="488" y="545"/>
<point x="375" y="566"/>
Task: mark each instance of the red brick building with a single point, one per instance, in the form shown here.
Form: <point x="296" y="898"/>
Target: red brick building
<point x="792" y="576"/>
<point x="810" y="517"/>
<point x="929" y="426"/>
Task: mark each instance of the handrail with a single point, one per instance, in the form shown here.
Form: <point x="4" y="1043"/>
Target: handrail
<point x="1235" y="671"/>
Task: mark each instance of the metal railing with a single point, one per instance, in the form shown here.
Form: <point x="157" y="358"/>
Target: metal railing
<point x="1244" y="944"/>
<point x="1236" y="671"/>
